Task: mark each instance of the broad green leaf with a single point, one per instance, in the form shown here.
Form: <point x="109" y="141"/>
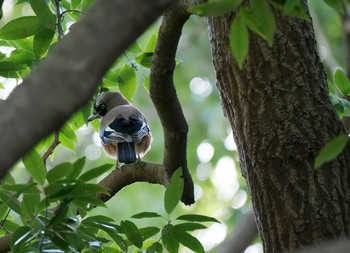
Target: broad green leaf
<point x="135" y="48"/>
<point x="342" y="82"/>
<point x="43" y="12"/>
<point x="77" y="168"/>
<point x="69" y="133"/>
<point x="20" y="188"/>
<point x="331" y="150"/>
<point x="42" y="42"/>
<point x="59" y="171"/>
<point x="260" y="19"/>
<point x="147" y="83"/>
<point x="146" y="215"/>
<point x="98" y="218"/>
<point x="151" y="43"/>
<point x="145" y="59"/>
<point x="119" y="241"/>
<point x="21" y="237"/>
<point x="6" y="66"/>
<point x="127" y="82"/>
<point x="11" y="201"/>
<point x="30" y="203"/>
<point x="168" y="239"/>
<point x="74" y="4"/>
<point x="155" y="248"/>
<point x="148" y="232"/>
<point x="132" y="233"/>
<point x="239" y="40"/>
<point x="188" y="226"/>
<point x="294" y="8"/>
<point x="197" y="218"/>
<point x="173" y="191"/>
<point x="10" y="226"/>
<point x="67" y="142"/>
<point x="86" y="189"/>
<point x="189" y="241"/>
<point x="21" y="56"/>
<point x="336" y="5"/>
<point x="20" y="28"/>
<point x="35" y="166"/>
<point x="94" y="173"/>
<point x="214" y="7"/>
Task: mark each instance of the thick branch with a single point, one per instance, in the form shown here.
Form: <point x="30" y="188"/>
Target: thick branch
<point x="65" y="81"/>
<point x="165" y="99"/>
<point x="152" y="173"/>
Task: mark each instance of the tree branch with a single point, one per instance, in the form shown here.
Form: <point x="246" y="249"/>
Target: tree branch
<point x="66" y="80"/>
<point x="152" y="173"/>
<point x="165" y="99"/>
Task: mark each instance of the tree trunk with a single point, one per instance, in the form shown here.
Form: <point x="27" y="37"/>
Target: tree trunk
<point x="281" y="116"/>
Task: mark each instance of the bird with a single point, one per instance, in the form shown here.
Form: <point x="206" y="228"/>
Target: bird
<point x="124" y="132"/>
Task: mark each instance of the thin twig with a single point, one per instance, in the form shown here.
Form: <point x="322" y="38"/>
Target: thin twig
<point x="52" y="147"/>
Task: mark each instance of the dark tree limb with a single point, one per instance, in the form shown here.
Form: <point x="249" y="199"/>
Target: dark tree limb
<point x="152" y="173"/>
<point x="164" y="97"/>
<point x="66" y="80"/>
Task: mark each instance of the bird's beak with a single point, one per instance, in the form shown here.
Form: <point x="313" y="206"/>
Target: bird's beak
<point x="93" y="116"/>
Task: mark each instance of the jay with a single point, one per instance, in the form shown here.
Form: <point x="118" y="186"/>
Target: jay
<point x="124" y="132"/>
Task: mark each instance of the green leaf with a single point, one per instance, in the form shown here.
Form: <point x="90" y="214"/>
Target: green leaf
<point x="239" y="40"/>
<point x="43" y="12"/>
<point x="22" y="236"/>
<point x="331" y="150"/>
<point x="189" y="241"/>
<point x="214" y="7"/>
<point x="67" y="142"/>
<point x="189" y="226"/>
<point x="6" y="66"/>
<point x="155" y="248"/>
<point x="145" y="59"/>
<point x="342" y="82"/>
<point x="336" y="5"/>
<point x="197" y="218"/>
<point x="30" y="203"/>
<point x="173" y="191"/>
<point x="94" y="173"/>
<point x="134" y="48"/>
<point x="20" y="28"/>
<point x="78" y="167"/>
<point x="294" y="8"/>
<point x="148" y="232"/>
<point x="132" y="233"/>
<point x="127" y="81"/>
<point x="42" y="42"/>
<point x="75" y="4"/>
<point x="146" y="215"/>
<point x="151" y="43"/>
<point x="86" y="189"/>
<point x="35" y="166"/>
<point x="169" y="241"/>
<point x="59" y="171"/>
<point x="260" y="19"/>
<point x="147" y="83"/>
<point x="11" y="201"/>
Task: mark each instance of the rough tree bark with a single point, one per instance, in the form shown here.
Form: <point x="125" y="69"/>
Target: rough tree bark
<point x="280" y="114"/>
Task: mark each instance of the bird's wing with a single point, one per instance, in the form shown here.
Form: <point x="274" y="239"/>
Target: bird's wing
<point x="123" y="124"/>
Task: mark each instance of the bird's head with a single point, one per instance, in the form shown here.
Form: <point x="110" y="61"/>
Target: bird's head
<point x="104" y="102"/>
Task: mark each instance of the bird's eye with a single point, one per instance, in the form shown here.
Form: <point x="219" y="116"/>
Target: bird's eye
<point x="102" y="107"/>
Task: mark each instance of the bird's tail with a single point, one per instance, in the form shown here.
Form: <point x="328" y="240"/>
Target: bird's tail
<point x="126" y="152"/>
